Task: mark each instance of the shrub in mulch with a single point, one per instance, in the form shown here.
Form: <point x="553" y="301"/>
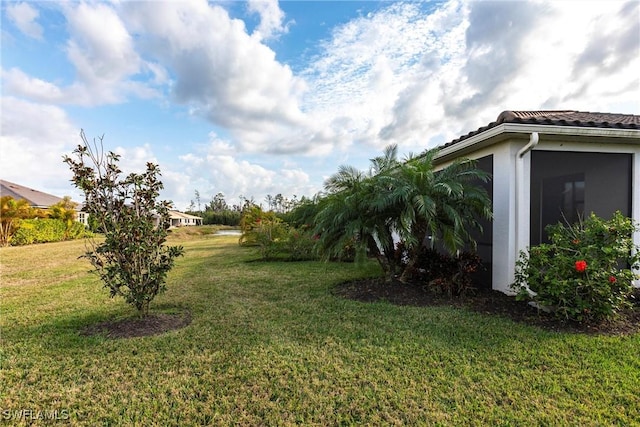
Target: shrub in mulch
<point x="488" y="302"/>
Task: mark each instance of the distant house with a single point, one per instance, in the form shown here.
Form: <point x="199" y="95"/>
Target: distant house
<point x="179" y="219"/>
<point x="547" y="166"/>
<point x="37" y="199"/>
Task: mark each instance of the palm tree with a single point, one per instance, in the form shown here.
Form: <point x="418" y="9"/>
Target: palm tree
<point x="350" y="215"/>
<point x="411" y="199"/>
<point x="12" y="211"/>
<point x="436" y="206"/>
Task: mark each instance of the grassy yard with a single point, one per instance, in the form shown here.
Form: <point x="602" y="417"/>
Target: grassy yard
<point x="270" y="345"/>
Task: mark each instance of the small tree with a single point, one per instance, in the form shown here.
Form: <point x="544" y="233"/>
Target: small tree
<point x="64" y="210"/>
<point x="133" y="261"/>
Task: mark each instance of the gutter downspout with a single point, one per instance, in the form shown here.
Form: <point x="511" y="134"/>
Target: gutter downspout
<point x="519" y="243"/>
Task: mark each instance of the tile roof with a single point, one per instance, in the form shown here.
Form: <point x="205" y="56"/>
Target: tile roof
<point x="34" y="197"/>
<point x="560" y="118"/>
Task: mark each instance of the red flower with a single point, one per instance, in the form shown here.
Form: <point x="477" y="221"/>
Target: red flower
<point x="612" y="279"/>
<point x="575" y="241"/>
<point x="258" y="220"/>
<point x="581" y="266"/>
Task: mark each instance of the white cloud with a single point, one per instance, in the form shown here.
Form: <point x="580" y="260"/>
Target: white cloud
<point x="381" y="73"/>
<point x="17" y="82"/>
<point x="400" y="75"/>
<point x="219" y="70"/>
<point x="135" y="159"/>
<point x="104" y="57"/>
<point x="271" y="18"/>
<point x="24" y="16"/>
<point x="215" y="169"/>
<point x="412" y="73"/>
<point x="100" y="47"/>
<point x="34" y="139"/>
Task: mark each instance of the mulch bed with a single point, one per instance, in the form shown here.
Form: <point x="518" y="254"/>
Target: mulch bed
<point x="486" y="302"/>
<point x="153" y="324"/>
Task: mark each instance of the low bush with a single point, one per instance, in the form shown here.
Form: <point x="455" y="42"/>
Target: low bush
<point x="47" y="230"/>
<point x="263" y="229"/>
<point x="275" y="238"/>
<point x="301" y="244"/>
<point x="441" y="272"/>
<point x="586" y="272"/>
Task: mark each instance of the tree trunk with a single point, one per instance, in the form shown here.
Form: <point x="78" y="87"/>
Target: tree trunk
<point x="383" y="260"/>
<point x="419" y="233"/>
<point x="407" y="273"/>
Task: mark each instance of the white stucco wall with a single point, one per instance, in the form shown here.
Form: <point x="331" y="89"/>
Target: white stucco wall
<point x="508" y="221"/>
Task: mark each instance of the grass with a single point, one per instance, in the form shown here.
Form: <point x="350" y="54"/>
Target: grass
<point x="270" y="345"/>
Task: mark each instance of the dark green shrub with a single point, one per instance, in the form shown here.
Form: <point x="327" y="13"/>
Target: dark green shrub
<point x="133" y="260"/>
<point x="227" y="217"/>
<point x="441" y="272"/>
<point x="586" y="272"/>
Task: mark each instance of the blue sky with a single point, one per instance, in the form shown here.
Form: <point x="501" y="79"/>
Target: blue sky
<point x="266" y="97"/>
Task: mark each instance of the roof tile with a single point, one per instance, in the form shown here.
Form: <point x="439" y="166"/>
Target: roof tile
<point x="560" y="118"/>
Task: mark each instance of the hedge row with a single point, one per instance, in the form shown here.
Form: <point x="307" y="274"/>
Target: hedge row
<point x="47" y="230"/>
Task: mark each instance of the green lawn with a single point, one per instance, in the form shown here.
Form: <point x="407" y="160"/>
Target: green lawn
<point x="270" y="345"/>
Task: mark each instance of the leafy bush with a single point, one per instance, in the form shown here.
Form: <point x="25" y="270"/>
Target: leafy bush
<point x="275" y="238"/>
<point x="301" y="244"/>
<point x="133" y="260"/>
<point x="47" y="230"/>
<point x="585" y="273"/>
<point x="263" y="229"/>
<point x="442" y="272"/>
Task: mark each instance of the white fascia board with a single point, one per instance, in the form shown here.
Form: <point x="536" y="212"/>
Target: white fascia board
<point x="490" y="136"/>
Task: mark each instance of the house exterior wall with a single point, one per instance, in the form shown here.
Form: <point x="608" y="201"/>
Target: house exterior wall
<point x="504" y="208"/>
<point x="511" y="213"/>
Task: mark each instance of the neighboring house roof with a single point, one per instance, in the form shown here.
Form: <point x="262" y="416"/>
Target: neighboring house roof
<point x="560" y="118"/>
<point x="176" y="215"/>
<point x="35" y="198"/>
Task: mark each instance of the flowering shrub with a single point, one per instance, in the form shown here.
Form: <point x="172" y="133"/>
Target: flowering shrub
<point x="263" y="229"/>
<point x="585" y="273"/>
<point x="301" y="244"/>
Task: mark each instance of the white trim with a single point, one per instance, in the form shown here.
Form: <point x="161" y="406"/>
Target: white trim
<point x="625" y="136"/>
<point x="635" y="200"/>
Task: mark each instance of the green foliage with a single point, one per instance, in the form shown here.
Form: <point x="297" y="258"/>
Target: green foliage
<point x="410" y="200"/>
<point x="133" y="261"/>
<point x="271" y="344"/>
<point x="224" y="217"/>
<point x="48" y="230"/>
<point x="585" y="273"/>
<point x="12" y="212"/>
<point x="65" y="210"/>
<point x="449" y="274"/>
<point x="263" y="229"/>
<point x="275" y="238"/>
<point x="301" y="244"/>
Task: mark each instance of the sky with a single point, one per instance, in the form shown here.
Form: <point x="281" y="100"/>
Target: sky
<point x="260" y="98"/>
